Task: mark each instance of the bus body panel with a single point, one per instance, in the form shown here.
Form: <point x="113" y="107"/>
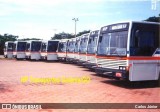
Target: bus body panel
<point x="52" y="56"/>
<point x="35" y="56"/>
<point x="143" y="70"/>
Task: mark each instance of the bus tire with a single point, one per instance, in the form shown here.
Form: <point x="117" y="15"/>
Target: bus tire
<point x="5" y="56"/>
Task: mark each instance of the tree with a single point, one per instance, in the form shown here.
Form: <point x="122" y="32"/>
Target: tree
<point x="153" y="19"/>
<point x="25" y="39"/>
<point x="83" y="32"/>
<point x="62" y="35"/>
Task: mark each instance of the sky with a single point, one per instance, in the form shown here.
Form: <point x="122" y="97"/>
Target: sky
<point x="43" y="18"/>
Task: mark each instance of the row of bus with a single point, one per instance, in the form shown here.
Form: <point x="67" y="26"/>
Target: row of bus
<point x="127" y="50"/>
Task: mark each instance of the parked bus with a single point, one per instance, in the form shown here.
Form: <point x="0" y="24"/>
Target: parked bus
<point x="19" y="49"/>
<point x="33" y="50"/>
<point x="83" y="49"/>
<point x="76" y="49"/>
<point x="48" y="50"/>
<point x="91" y="49"/>
<point x="70" y="49"/>
<point x="8" y="49"/>
<point x="126" y="51"/>
<point x="62" y="49"/>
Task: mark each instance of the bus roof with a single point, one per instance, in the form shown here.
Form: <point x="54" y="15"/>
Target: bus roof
<point x="9" y="42"/>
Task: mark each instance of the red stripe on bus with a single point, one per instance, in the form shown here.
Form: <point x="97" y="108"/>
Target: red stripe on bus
<point x="61" y="52"/>
<point x="90" y="54"/>
<point x="31" y="52"/>
<point x="82" y="54"/>
<point x="131" y="58"/>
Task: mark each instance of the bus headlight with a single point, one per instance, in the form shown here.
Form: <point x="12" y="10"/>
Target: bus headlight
<point x="123" y="68"/>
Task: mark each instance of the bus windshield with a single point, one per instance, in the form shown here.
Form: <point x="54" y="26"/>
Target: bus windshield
<point x="76" y="49"/>
<point x="35" y="46"/>
<point x="21" y="46"/>
<point x="113" y="44"/>
<point x="71" y="46"/>
<point x="91" y="49"/>
<point x="10" y="47"/>
<point x="62" y="47"/>
<point x="52" y="46"/>
<point x="83" y="44"/>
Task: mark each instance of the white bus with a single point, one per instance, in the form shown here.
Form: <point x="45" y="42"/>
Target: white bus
<point x="76" y="49"/>
<point x="62" y="49"/>
<point x="8" y="49"/>
<point x="33" y="50"/>
<point x="126" y="51"/>
<point x="19" y="49"/>
<point x="70" y="49"/>
<point x="91" y="49"/>
<point x="83" y="48"/>
<point x="48" y="50"/>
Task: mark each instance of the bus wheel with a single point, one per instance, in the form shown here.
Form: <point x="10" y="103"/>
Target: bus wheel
<point x="5" y="56"/>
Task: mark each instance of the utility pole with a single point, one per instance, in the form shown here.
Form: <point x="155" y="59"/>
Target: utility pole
<point x="75" y="20"/>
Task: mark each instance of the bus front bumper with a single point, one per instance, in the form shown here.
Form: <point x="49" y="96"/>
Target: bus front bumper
<point x="116" y="73"/>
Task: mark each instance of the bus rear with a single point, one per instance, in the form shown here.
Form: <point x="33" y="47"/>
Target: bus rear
<point x="125" y="51"/>
<point x="33" y="50"/>
<point x="19" y="49"/>
<point x="8" y="49"/>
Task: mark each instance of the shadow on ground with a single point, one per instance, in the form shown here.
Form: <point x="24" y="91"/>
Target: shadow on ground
<point x="4" y="88"/>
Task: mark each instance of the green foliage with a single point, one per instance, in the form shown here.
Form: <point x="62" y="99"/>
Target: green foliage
<point x="83" y="32"/>
<point x="25" y="39"/>
<point x="154" y="19"/>
<point x="62" y="35"/>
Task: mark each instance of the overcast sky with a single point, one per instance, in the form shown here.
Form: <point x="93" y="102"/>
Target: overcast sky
<point x="43" y="18"/>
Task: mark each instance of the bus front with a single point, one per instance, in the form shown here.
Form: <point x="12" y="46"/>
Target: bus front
<point x="61" y="51"/>
<point x="91" y="49"/>
<point x="70" y="49"/>
<point x="83" y="49"/>
<point x="35" y="50"/>
<point x="76" y="49"/>
<point x="126" y="51"/>
<point x="112" y="49"/>
<point x="51" y="50"/>
<point x="19" y="52"/>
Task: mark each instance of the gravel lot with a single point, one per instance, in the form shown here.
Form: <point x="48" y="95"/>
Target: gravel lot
<point x="97" y="89"/>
